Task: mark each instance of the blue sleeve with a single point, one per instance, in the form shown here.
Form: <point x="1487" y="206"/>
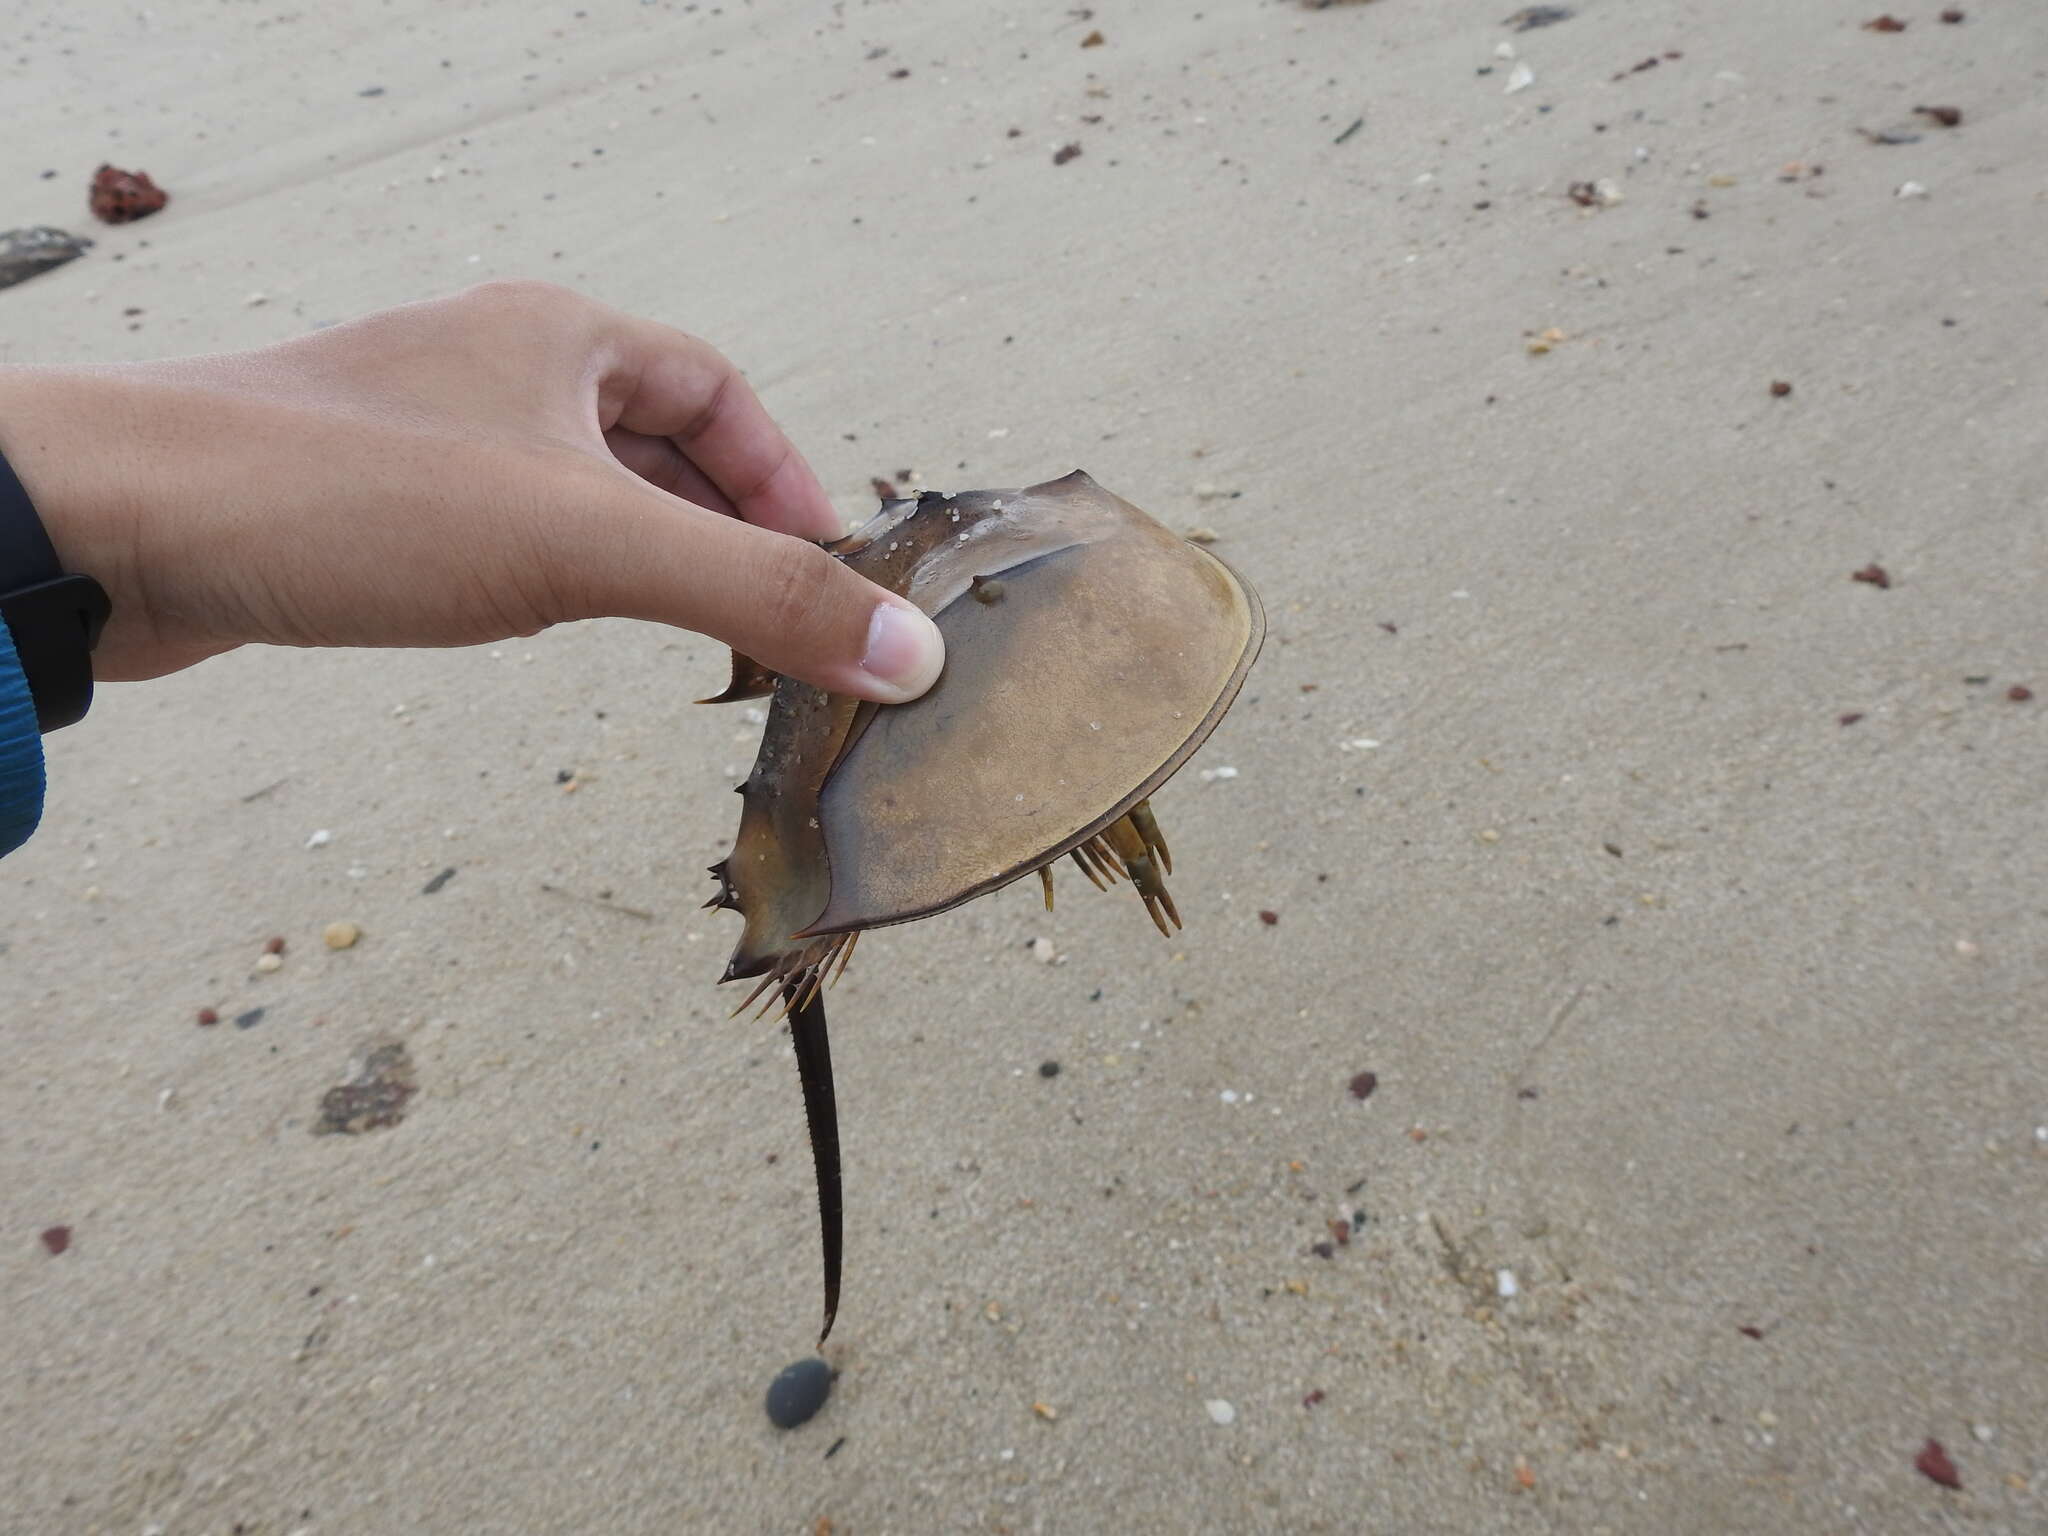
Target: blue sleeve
<point x="21" y="752"/>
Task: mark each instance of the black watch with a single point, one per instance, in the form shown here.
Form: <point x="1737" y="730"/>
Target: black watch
<point x="54" y="618"/>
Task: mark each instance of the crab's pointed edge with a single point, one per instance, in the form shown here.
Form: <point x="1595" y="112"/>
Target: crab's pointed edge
<point x="821" y="1112"/>
<point x="750" y="680"/>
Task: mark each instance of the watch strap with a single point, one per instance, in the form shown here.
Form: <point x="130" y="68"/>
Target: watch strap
<point x="54" y="619"/>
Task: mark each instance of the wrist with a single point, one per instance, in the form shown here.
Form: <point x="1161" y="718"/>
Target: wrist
<point x="53" y="614"/>
<point x="56" y="432"/>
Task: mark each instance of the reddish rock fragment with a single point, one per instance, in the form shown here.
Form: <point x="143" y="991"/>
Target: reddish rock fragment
<point x="1780" y="389"/>
<point x="884" y="491"/>
<point x="208" y="1016"/>
<point x="1952" y="16"/>
<point x="119" y="197"/>
<point x="1933" y="1463"/>
<point x="1362" y="1086"/>
<point x="1313" y="1398"/>
<point x="1885" y="23"/>
<point x="1749" y="1331"/>
<point x="2019" y="693"/>
<point x="1268" y="916"/>
<point x="1850" y="718"/>
<point x="1340" y="1229"/>
<point x="1873" y="573"/>
<point x="56" y="1239"/>
<point x="1946" y="117"/>
<point x="1065" y="153"/>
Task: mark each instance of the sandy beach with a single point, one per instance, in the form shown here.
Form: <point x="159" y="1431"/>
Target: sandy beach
<point x="1685" y="895"/>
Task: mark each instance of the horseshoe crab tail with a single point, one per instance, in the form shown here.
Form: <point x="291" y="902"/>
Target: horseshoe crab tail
<point x="821" y="1112"/>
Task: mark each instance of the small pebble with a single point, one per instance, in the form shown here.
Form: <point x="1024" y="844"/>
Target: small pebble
<point x="1363" y="1084"/>
<point x="1506" y="1285"/>
<point x="56" y="1239"/>
<point x="208" y="1016"/>
<point x="1933" y="1463"/>
<point x="1042" y="950"/>
<point x="320" y="839"/>
<point x="1911" y="189"/>
<point x="1780" y="389"/>
<point x="341" y="935"/>
<point x="1220" y="1412"/>
<point x="2019" y="693"/>
<point x="270" y="960"/>
<point x="799" y="1392"/>
<point x="274" y="945"/>
<point x="1048" y="1069"/>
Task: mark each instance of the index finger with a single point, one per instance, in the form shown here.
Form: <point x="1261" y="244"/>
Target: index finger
<point x="665" y="383"/>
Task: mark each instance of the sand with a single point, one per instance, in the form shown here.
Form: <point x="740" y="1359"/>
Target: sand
<point x="1716" y="1021"/>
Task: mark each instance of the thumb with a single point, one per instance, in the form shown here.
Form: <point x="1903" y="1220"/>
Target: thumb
<point x="778" y="599"/>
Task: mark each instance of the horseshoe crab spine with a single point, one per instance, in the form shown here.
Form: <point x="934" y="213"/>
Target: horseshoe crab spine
<point x="821" y="1114"/>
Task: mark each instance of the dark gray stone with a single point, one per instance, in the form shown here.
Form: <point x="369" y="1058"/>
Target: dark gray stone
<point x="25" y="252"/>
<point x="799" y="1392"/>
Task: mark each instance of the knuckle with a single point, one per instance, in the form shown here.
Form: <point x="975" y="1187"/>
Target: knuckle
<point x="796" y="584"/>
<point x="706" y="415"/>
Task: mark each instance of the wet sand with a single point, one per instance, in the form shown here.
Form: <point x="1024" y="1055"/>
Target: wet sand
<point x="1687" y="897"/>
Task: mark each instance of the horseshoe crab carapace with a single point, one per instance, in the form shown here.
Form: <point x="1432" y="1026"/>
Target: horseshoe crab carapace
<point x="1089" y="651"/>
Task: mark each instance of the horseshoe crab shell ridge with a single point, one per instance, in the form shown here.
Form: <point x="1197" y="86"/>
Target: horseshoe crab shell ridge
<point x="1089" y="652"/>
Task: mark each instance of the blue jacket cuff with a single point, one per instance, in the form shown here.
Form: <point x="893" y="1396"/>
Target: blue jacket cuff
<point x="21" y="752"/>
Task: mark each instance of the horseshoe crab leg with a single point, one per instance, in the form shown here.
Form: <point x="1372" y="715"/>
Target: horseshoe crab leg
<point x="821" y="1114"/>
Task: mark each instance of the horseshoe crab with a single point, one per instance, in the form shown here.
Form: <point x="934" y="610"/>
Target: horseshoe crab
<point x="1089" y="651"/>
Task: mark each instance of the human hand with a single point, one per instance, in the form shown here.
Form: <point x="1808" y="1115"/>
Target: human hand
<point x="449" y="473"/>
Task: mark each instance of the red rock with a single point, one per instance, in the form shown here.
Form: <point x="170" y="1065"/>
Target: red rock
<point x="1933" y="1463"/>
<point x="119" y="196"/>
